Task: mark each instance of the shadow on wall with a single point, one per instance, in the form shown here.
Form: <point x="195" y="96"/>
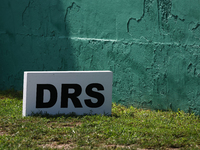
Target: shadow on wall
<point x="33" y="37"/>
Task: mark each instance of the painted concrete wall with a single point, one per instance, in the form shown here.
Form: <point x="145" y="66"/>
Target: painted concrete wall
<point x="152" y="46"/>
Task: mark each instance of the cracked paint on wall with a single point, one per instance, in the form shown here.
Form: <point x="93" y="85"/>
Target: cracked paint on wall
<point x="152" y="46"/>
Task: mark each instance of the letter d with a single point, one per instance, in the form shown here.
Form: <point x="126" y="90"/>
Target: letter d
<point x="40" y="96"/>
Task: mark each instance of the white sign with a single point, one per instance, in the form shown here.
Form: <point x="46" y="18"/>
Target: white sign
<point x="53" y="92"/>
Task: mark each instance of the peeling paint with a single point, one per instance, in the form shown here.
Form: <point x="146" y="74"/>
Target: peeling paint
<point x="24" y="12"/>
<point x="135" y="19"/>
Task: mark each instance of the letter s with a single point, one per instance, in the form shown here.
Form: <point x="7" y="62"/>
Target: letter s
<point x="94" y="94"/>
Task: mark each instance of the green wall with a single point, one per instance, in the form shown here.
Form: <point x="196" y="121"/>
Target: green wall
<point x="152" y="46"/>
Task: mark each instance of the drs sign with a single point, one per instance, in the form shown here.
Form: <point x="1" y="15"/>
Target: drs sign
<point x="81" y="92"/>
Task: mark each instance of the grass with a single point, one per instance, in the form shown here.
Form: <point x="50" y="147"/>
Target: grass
<point x="126" y="128"/>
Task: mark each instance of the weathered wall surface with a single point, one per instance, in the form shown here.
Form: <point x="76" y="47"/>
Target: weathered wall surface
<point x="152" y="46"/>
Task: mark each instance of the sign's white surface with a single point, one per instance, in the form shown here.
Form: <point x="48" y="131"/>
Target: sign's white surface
<point x="53" y="92"/>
